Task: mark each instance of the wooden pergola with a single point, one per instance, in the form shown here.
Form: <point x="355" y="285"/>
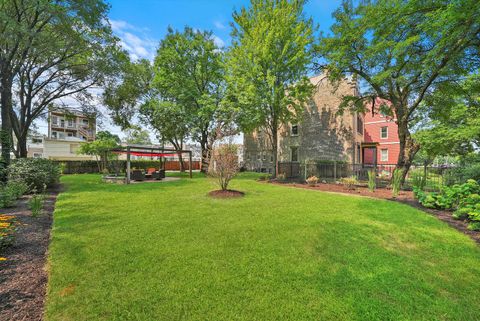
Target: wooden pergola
<point x="152" y="151"/>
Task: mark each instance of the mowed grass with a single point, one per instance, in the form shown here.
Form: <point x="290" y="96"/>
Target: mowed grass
<point x="166" y="251"/>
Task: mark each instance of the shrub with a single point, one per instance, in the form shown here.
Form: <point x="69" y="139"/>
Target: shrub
<point x="281" y="177"/>
<point x="264" y="178"/>
<point x="396" y="181"/>
<point x="7" y="230"/>
<point x="37" y="173"/>
<point x="11" y="192"/>
<point x="312" y="180"/>
<point x="465" y="199"/>
<point x="18" y="188"/>
<point x="36" y="204"/>
<point x="7" y="197"/>
<point x="349" y="182"/>
<point x="224" y="165"/>
<point x="372" y="184"/>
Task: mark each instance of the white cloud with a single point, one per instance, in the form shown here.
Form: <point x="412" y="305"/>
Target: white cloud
<point x="134" y="39"/>
<point x="218" y="41"/>
<point x="219" y="25"/>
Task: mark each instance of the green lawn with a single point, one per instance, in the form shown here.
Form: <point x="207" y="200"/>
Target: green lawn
<point x="166" y="251"/>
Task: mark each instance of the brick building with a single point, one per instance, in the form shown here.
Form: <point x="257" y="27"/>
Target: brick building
<point x="381" y="145"/>
<point x="321" y="135"/>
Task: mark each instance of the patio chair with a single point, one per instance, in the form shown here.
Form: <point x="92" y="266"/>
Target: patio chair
<point x="137" y="175"/>
<point x="159" y="174"/>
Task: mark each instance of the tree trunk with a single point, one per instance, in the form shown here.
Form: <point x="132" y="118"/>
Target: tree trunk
<point x="22" y="151"/>
<point x="182" y="165"/>
<point x="275" y="151"/>
<point x="408" y="148"/>
<point x="206" y="150"/>
<point x="6" y="130"/>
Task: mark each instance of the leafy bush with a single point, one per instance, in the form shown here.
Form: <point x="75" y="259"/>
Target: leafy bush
<point x="17" y="188"/>
<point x="7" y="230"/>
<point x="37" y="173"/>
<point x="11" y="192"/>
<point x="349" y="182"/>
<point x="396" y="181"/>
<point x="464" y="198"/>
<point x="312" y="180"/>
<point x="372" y="184"/>
<point x="36" y="204"/>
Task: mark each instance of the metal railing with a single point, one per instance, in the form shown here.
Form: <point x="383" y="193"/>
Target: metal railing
<point x="434" y="177"/>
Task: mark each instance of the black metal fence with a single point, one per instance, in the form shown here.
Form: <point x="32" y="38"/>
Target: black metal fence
<point x="434" y="177"/>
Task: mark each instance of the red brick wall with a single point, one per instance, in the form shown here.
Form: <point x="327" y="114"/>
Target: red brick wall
<point x="373" y="125"/>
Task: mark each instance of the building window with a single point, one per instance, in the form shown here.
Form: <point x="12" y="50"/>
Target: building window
<point x="54" y="120"/>
<point x="70" y="123"/>
<point x="359" y="125"/>
<point x="85" y="121"/>
<point x="384" y="155"/>
<point x="384" y="132"/>
<point x="54" y="134"/>
<point x="294" y="150"/>
<point x="264" y="156"/>
<point x="37" y="155"/>
<point x="294" y="130"/>
<point x="259" y="156"/>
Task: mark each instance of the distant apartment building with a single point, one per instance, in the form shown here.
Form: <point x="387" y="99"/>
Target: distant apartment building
<point x="67" y="129"/>
<point x="381" y="145"/>
<point x="70" y="124"/>
<point x="320" y="135"/>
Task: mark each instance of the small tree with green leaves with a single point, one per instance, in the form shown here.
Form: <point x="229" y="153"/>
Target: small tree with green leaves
<point x="101" y="148"/>
<point x="268" y="65"/>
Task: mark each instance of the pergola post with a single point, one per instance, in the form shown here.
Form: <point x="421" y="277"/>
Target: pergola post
<point x="190" y="162"/>
<point x="128" y="164"/>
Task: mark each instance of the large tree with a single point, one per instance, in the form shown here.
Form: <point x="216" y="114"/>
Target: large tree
<point x="133" y="98"/>
<point x="189" y="71"/>
<point x="169" y="120"/>
<point x="268" y="63"/>
<point x="48" y="50"/>
<point x="449" y="120"/>
<point x="401" y="51"/>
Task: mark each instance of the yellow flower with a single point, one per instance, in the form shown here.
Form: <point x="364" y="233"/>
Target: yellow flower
<point x="3" y="258"/>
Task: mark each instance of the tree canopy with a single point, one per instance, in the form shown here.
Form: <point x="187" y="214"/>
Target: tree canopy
<point x="402" y="51"/>
<point x="268" y="63"/>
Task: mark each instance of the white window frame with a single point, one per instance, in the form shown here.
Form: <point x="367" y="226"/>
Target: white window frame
<point x="384" y="154"/>
<point x="381" y="132"/>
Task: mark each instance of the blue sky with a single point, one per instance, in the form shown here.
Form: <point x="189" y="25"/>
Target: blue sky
<point x="142" y="24"/>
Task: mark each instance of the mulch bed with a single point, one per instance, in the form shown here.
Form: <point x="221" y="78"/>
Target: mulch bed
<point x="23" y="278"/>
<point x="405" y="197"/>
<point x="229" y="193"/>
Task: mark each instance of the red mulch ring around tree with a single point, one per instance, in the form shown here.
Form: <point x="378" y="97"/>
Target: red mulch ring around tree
<point x="23" y="276"/>
<point x="405" y="197"/>
<point x="229" y="193"/>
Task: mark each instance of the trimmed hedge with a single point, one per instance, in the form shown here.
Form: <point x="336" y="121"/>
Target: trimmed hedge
<point x="91" y="167"/>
